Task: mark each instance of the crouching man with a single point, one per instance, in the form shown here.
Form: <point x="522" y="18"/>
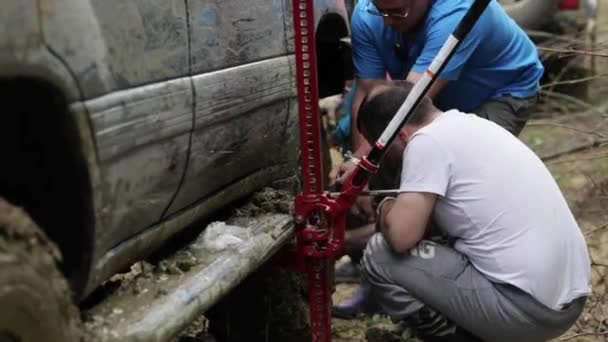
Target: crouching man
<point x="518" y="269"/>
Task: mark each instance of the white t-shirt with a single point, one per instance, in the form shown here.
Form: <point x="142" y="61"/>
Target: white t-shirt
<point x="502" y="204"/>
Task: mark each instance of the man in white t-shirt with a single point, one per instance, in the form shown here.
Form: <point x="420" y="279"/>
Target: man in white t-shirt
<point x="518" y="268"/>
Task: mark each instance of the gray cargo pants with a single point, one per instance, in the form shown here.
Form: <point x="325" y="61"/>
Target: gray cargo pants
<point x="433" y="289"/>
<point x="509" y="112"/>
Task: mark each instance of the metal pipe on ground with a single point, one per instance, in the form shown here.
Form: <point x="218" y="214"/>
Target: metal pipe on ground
<point x="159" y="304"/>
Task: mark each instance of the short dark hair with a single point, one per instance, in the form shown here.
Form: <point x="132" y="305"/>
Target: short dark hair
<point x="376" y="112"/>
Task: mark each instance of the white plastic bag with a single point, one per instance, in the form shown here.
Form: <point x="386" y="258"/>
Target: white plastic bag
<point x="219" y="236"/>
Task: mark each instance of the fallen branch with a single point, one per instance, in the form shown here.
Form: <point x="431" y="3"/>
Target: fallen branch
<point x="571" y="128"/>
<point x="597" y="229"/>
<point x="597" y="142"/>
<point x="573" y="117"/>
<point x="577" y="148"/>
<point x="572" y="160"/>
<point x="582" y="334"/>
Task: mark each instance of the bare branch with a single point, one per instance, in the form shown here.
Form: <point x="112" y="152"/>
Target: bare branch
<point x="571" y="63"/>
<point x="573" y="100"/>
<point x="575" y="81"/>
<point x="543" y="34"/>
<point x="571" y="52"/>
<point x="577" y="148"/>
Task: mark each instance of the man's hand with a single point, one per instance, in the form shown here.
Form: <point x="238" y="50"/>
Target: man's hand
<point x="364" y="205"/>
<point x="364" y="86"/>
<point x="364" y="208"/>
<point x="340" y="173"/>
<point x="382" y="209"/>
<point x="331" y="106"/>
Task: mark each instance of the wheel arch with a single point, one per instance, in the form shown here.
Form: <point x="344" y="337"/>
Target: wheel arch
<point x="334" y="59"/>
<point x="45" y="169"/>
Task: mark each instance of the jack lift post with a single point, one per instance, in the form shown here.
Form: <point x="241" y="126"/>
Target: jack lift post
<point x="320" y="215"/>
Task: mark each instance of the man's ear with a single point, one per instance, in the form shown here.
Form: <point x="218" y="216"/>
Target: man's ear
<point x="403" y="135"/>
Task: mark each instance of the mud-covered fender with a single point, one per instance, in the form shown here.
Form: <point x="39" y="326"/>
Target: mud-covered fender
<point x="71" y="30"/>
<point x="324" y="7"/>
<point x="23" y="49"/>
<point x="36" y="45"/>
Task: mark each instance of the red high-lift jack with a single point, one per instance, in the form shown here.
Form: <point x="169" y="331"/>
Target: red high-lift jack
<point x="319" y="215"/>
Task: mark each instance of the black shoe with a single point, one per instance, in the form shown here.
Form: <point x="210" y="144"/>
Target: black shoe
<point x="460" y="335"/>
<point x="432" y="326"/>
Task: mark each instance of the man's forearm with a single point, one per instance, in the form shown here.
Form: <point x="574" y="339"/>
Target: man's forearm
<point x="362" y="150"/>
<point x="398" y="237"/>
<point x="360" y="146"/>
<point x="357" y="138"/>
<point x="402" y="221"/>
<point x="413" y="77"/>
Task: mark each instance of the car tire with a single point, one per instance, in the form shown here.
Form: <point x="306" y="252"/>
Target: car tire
<point x="35" y="300"/>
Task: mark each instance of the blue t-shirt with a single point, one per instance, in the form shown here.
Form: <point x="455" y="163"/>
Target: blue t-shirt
<point x="496" y="59"/>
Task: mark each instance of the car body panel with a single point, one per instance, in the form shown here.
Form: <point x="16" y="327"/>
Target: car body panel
<point x="146" y="40"/>
<point x="177" y="102"/>
<point x="232" y="32"/>
<point x="240" y="121"/>
<point x="24" y="52"/>
<point x="142" y="125"/>
<point x="71" y="30"/>
<point x="142" y="144"/>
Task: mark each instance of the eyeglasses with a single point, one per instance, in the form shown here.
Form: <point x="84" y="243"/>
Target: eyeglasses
<point x="373" y="10"/>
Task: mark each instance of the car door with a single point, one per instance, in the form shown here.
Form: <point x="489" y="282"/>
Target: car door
<point x="142" y="126"/>
<point x="242" y="78"/>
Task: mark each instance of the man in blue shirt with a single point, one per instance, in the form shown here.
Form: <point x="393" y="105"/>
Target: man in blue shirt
<point x="494" y="73"/>
<point x="496" y="67"/>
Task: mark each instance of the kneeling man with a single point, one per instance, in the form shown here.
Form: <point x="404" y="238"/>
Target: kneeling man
<point x="517" y="268"/>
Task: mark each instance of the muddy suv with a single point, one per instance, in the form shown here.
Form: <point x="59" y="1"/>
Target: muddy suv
<point x="124" y="122"/>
